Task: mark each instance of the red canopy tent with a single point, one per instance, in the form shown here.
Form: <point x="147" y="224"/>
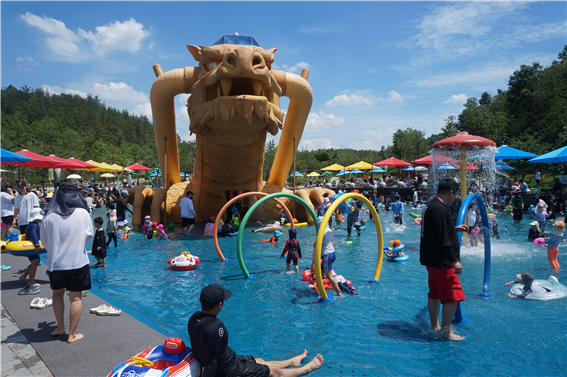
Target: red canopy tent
<point x="81" y="164"/>
<point x="391" y="162"/>
<point x="438" y="160"/>
<point x="469" y="166"/>
<point x="138" y="167"/>
<point x="40" y="161"/>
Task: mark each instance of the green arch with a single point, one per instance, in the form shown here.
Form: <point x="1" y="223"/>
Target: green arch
<point x="249" y="213"/>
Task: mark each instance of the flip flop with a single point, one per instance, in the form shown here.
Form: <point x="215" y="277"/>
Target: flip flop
<point x="5" y="268"/>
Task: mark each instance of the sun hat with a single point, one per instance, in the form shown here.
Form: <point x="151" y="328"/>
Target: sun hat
<point x="536" y="224"/>
<point x="212" y="294"/>
<point x="558" y="229"/>
<point x="35" y="215"/>
<point x="277" y="233"/>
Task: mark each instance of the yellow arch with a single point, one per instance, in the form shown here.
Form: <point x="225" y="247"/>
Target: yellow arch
<point x="321" y="232"/>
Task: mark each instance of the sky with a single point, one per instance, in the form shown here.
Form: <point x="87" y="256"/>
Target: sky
<point x="375" y="67"/>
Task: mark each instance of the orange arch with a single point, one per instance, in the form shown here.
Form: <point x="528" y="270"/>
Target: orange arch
<point x="231" y="201"/>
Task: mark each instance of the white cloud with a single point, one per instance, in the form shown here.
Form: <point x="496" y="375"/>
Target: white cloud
<point x="457" y="98"/>
<point x="59" y="90"/>
<point x="117" y="36"/>
<point x="371" y="70"/>
<point x="395" y="96"/>
<point x="59" y="39"/>
<point x="315" y="144"/>
<point x="321" y="120"/>
<point x="144" y="108"/>
<point x="152" y="45"/>
<point x="119" y="92"/>
<point x="182" y="118"/>
<point x="349" y="100"/>
<point x="294" y="68"/>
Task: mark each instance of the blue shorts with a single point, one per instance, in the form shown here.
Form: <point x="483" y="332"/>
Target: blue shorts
<point x="328" y="260"/>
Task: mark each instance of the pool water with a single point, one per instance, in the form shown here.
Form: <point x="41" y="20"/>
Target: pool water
<point x="384" y="330"/>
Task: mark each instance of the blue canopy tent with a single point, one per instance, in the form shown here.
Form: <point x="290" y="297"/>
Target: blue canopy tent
<point x="408" y="168"/>
<point x="11" y="158"/>
<point x="377" y="170"/>
<point x="342" y="172"/>
<point x="445" y="167"/>
<point x="558" y="155"/>
<point x="355" y="171"/>
<point x="501" y="165"/>
<point x="509" y="153"/>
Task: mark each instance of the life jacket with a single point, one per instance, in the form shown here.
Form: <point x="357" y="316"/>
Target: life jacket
<point x="235" y="220"/>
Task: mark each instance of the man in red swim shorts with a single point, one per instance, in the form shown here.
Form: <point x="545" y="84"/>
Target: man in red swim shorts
<point x="440" y="253"/>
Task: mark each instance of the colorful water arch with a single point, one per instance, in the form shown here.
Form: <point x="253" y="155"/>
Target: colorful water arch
<point x="233" y="200"/>
<point x="318" y="273"/>
<point x="247" y="217"/>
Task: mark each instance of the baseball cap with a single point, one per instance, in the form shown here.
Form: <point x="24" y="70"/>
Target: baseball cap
<point x="212" y="294"/>
<point x="526" y="277"/>
<point x="22" y="184"/>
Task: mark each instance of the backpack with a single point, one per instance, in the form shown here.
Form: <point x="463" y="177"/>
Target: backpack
<point x="292" y="248"/>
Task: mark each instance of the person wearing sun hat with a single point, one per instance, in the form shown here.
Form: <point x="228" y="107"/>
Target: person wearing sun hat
<point x="209" y="341"/>
<point x="553" y="242"/>
<point x="534" y="231"/>
<point x="526" y="278"/>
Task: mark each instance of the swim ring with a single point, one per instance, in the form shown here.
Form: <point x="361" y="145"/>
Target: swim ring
<point x="540" y="241"/>
<point x="393" y="253"/>
<point x="417" y="221"/>
<point x="173" y="359"/>
<point x="475" y="230"/>
<point x="185" y="261"/>
<point x="19" y="247"/>
<point x="555" y="290"/>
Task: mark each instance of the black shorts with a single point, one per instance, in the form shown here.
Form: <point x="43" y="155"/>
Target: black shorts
<point x="250" y="368"/>
<point x="33" y="257"/>
<point x="23" y="228"/>
<point x="186" y="222"/>
<point x="517" y="213"/>
<point x="76" y="280"/>
<point x="8" y="220"/>
<point x="150" y="235"/>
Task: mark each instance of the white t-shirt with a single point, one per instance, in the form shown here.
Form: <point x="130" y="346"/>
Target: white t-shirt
<point x="64" y="239"/>
<point x="25" y="203"/>
<point x="328" y="246"/>
<point x="471" y="218"/>
<point x="537" y="173"/>
<point x="187" y="209"/>
<point x="7" y="203"/>
<point x="90" y="201"/>
<point x="415" y="197"/>
<point x="563" y="179"/>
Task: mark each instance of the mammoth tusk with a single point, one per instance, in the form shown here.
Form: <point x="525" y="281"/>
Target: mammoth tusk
<point x="301" y="97"/>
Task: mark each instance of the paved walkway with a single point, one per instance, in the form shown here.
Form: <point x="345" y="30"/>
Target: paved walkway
<point x="28" y="349"/>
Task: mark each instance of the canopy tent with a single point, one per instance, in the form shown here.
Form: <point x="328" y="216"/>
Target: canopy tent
<point x="72" y="164"/>
<point x="327" y="173"/>
<point x="107" y="175"/>
<point x="469" y="166"/>
<point x="11" y="158"/>
<point x="342" y="172"/>
<point x="297" y="174"/>
<point x="138" y="167"/>
<point x="74" y="176"/>
<point x="558" y="155"/>
<point x="121" y="168"/>
<point x="40" y="161"/>
<point x="439" y="159"/>
<point x="81" y="163"/>
<point x="445" y="167"/>
<point x="509" y="153"/>
<point x="360" y="165"/>
<point x="313" y="174"/>
<point x="391" y="162"/>
<point x="102" y="167"/>
<point x="334" y="167"/>
<point x="501" y="165"/>
<point x="355" y="171"/>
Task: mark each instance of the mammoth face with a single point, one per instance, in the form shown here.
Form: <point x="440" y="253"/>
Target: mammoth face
<point x="235" y="90"/>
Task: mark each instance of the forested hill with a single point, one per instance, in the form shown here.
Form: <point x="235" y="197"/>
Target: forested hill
<point x="70" y="124"/>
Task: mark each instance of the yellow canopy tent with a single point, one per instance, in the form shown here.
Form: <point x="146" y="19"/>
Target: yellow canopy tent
<point x="360" y="165"/>
<point x="334" y="167"/>
<point x="121" y="168"/>
<point x="313" y="174"/>
<point x="102" y="167"/>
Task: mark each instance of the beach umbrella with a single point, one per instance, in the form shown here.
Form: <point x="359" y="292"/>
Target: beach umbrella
<point x="420" y="168"/>
<point x="138" y="167"/>
<point x="360" y="165"/>
<point x="342" y="172"/>
<point x="297" y="174"/>
<point x="356" y="171"/>
<point x="408" y="168"/>
<point x="509" y="153"/>
<point x="11" y="158"/>
<point x="84" y="165"/>
<point x="469" y="166"/>
<point x="439" y="159"/>
<point x="74" y="176"/>
<point x="391" y="162"/>
<point x="40" y="161"/>
<point x="334" y="167"/>
<point x="558" y="155"/>
<point x="313" y="174"/>
<point x="445" y="167"/>
<point x="107" y="175"/>
<point x="501" y="165"/>
<point x="327" y="173"/>
<point x="377" y="170"/>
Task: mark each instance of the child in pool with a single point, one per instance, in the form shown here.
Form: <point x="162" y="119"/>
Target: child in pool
<point x="493" y="226"/>
<point x="111" y="229"/>
<point x="235" y="216"/>
<point x="553" y="242"/>
<point x="126" y="233"/>
<point x="398" y="209"/>
<point x="161" y="232"/>
<point x="531" y="211"/>
<point x="343" y="284"/>
<point x="527" y="279"/>
<point x="99" y="244"/>
<point x="509" y="209"/>
<point x="210" y="227"/>
<point x="148" y="228"/>
<point x="293" y="250"/>
<point x="534" y="231"/>
<point x="397" y="253"/>
<point x="274" y="238"/>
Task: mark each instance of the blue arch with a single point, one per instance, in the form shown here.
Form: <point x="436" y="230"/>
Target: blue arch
<point x="486" y="231"/>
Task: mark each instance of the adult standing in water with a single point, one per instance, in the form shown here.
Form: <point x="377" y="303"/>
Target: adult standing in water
<point x="440" y="253"/>
<point x="64" y="230"/>
<point x="187" y="212"/>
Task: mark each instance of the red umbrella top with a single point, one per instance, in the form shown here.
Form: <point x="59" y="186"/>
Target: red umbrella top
<point x="40" y="161"/>
<point x="391" y="162"/>
<point x="469" y="166"/>
<point x="138" y="167"/>
<point x="439" y="159"/>
<point x="81" y="164"/>
<point x="463" y="139"/>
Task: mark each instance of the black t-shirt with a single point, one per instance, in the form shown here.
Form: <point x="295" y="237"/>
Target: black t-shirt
<point x="121" y="207"/>
<point x="209" y="341"/>
<point x="439" y="245"/>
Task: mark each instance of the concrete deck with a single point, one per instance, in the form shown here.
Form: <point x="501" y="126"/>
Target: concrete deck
<point x="28" y="349"/>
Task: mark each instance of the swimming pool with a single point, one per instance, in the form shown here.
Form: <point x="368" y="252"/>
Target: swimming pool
<point x="382" y="331"/>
